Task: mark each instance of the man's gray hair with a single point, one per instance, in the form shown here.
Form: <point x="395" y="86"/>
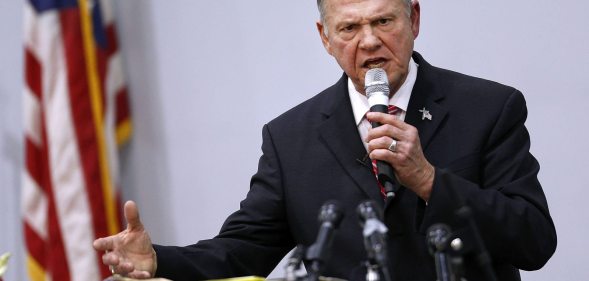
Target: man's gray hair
<point x="321" y="6"/>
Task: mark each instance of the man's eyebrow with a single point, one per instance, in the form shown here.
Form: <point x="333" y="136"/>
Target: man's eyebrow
<point x="387" y="15"/>
<point x="346" y="22"/>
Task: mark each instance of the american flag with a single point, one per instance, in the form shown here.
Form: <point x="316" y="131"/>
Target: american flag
<point x="76" y="118"/>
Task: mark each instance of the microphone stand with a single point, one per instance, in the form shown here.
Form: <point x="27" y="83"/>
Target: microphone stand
<point x="447" y="259"/>
<point x="376" y="261"/>
<point x="294" y="263"/>
<point x="374" y="233"/>
<point x="481" y="255"/>
<point x="464" y="214"/>
<point x="330" y="216"/>
<point x="372" y="271"/>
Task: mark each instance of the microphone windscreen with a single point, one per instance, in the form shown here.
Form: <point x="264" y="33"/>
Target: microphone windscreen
<point x="376" y="81"/>
<point x="368" y="210"/>
<point x="331" y="212"/>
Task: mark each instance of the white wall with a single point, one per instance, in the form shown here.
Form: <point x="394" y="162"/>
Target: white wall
<point x="206" y="75"/>
<point x="11" y="135"/>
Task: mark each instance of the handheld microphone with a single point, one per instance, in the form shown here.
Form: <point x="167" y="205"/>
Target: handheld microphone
<point x="375" y="236"/>
<point x="376" y="85"/>
<point x="330" y="216"/>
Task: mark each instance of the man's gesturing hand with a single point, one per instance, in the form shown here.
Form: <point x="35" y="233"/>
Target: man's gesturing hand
<point x="411" y="168"/>
<point x="130" y="252"/>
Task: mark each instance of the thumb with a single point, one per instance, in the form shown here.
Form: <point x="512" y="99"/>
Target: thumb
<point x="132" y="216"/>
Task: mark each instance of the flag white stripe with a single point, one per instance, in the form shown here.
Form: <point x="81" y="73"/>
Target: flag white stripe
<point x="43" y="39"/>
<point x="30" y="28"/>
<point x="32" y="117"/>
<point x="34" y="205"/>
<point x="107" y="12"/>
<point x="114" y="83"/>
<point x="41" y="33"/>
<point x="69" y="188"/>
<point x="115" y="78"/>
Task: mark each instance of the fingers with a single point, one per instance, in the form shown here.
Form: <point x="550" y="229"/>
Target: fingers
<point x="411" y="167"/>
<point x="382" y="143"/>
<point x="132" y="216"/>
<point x="118" y="266"/>
<point x="391" y="127"/>
<point x="104" y="244"/>
<point x="139" y="275"/>
<point x="124" y="268"/>
<point x="110" y="259"/>
<point x="384" y="118"/>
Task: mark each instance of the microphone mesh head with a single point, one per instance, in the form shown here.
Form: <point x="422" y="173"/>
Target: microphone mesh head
<point x="331" y="212"/>
<point x="368" y="210"/>
<point x="376" y="81"/>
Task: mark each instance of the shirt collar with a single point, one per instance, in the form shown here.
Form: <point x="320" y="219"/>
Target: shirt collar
<point x="400" y="99"/>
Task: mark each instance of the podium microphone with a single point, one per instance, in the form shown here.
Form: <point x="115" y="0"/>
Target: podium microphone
<point x="294" y="263"/>
<point x="375" y="237"/>
<point x="376" y="85"/>
<point x="330" y="216"/>
<point x="437" y="240"/>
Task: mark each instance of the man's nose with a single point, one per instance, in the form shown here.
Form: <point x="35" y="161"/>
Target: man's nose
<point x="369" y="39"/>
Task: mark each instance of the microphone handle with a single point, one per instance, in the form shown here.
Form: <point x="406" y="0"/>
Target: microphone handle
<point x="443" y="269"/>
<point x="386" y="172"/>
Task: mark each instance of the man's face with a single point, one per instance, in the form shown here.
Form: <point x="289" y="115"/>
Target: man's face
<point x="365" y="34"/>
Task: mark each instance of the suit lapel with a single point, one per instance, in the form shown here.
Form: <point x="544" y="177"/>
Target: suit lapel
<point x="340" y="135"/>
<point x="339" y="132"/>
<point x="425" y="97"/>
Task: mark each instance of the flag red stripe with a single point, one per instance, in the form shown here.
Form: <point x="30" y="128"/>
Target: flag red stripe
<point x="83" y="121"/>
<point x="47" y="246"/>
<point x="56" y="258"/>
<point x="82" y="115"/>
<point x="101" y="64"/>
<point x="51" y="254"/>
<point x="33" y="73"/>
<point x="123" y="111"/>
<point x="112" y="45"/>
<point x="34" y="162"/>
<point x="36" y="245"/>
<point x="122" y="101"/>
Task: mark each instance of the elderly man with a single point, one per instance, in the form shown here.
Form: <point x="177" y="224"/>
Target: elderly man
<point x="453" y="134"/>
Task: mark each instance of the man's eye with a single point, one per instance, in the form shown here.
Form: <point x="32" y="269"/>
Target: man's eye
<point x="384" y="21"/>
<point x="349" y="28"/>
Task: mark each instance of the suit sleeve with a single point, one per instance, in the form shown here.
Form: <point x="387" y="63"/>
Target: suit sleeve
<point x="252" y="240"/>
<point x="508" y="204"/>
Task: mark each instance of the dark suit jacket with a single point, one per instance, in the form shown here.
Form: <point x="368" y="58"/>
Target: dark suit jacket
<point x="477" y="142"/>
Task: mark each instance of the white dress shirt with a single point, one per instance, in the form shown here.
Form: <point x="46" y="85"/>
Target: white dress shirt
<point x="400" y="99"/>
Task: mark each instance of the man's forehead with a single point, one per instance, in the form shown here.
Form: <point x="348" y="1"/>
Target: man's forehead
<point x="339" y="6"/>
<point x="332" y="2"/>
<point x="353" y="10"/>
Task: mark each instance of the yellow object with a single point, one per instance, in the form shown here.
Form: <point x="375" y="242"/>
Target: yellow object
<point x="36" y="272"/>
<point x="95" y="91"/>
<point x="245" y="278"/>
<point x="4" y="263"/>
<point x="117" y="277"/>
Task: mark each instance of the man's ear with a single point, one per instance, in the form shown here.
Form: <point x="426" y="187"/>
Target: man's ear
<point x="415" y="10"/>
<point x="322" y="30"/>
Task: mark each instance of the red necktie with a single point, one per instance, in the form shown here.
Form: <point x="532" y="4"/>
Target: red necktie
<point x="393" y="110"/>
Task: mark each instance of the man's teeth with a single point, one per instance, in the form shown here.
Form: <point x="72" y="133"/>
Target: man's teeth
<point x="375" y="64"/>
